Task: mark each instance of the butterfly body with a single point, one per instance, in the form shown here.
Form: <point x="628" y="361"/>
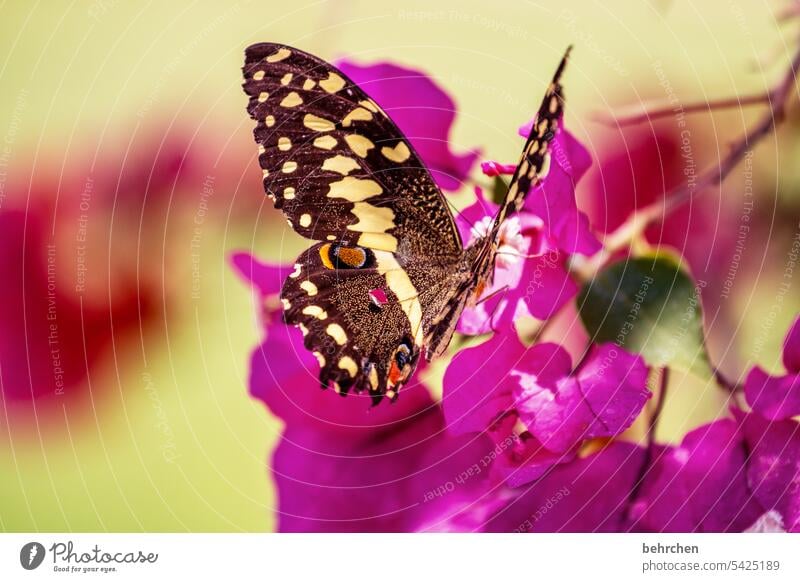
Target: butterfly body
<point x="388" y="276"/>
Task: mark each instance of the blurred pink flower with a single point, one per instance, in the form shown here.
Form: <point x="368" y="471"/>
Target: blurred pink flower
<point x="698" y="486"/>
<point x="773" y="465"/>
<point x="590" y="494"/>
<point x="778" y="397"/>
<point x="634" y="168"/>
<point x="50" y="338"/>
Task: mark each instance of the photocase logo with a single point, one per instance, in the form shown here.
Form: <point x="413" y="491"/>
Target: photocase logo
<point x="31" y="555"/>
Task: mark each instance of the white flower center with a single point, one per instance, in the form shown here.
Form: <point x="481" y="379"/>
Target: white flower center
<point x="511" y="245"/>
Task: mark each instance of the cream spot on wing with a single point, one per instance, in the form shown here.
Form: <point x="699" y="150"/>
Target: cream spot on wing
<point x="369" y="104"/>
<point x="337" y="333"/>
<point x="325" y="142"/>
<point x="288" y="193"/>
<point x="542" y="128"/>
<point x="331" y="237"/>
<point x="282" y="53"/>
<point x="378" y="241"/>
<point x="263" y="96"/>
<point x="286" y="79"/>
<point x="553" y="104"/>
<point x="333" y="83"/>
<point x="305" y="220"/>
<point x="400" y="153"/>
<point x="315" y="311"/>
<point x="349" y="365"/>
<point x="261" y="149"/>
<point x="340" y="164"/>
<point x="309" y="288"/>
<point x="258" y="75"/>
<point x="297" y="269"/>
<point x="320" y="358"/>
<point x="309" y="84"/>
<point x="354" y="189"/>
<point x="264" y="173"/>
<point x="315" y="123"/>
<point x="287" y="305"/>
<point x="359" y="144"/>
<point x="357" y="114"/>
<point x="269" y="120"/>
<point x="373" y="219"/>
<point x="400" y="283"/>
<point x="293" y="99"/>
<point x="284" y="144"/>
<point x="373" y="377"/>
<point x="289" y="167"/>
<point x="303" y="329"/>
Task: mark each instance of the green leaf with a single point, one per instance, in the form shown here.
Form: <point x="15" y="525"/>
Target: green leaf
<point x="651" y="306"/>
<point x="499" y="190"/>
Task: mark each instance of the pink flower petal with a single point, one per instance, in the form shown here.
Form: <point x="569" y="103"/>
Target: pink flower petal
<point x="773" y="397"/>
<point x="476" y="387"/>
<point x="773" y="468"/>
<point x="791" y="348"/>
<point x="700" y="485"/>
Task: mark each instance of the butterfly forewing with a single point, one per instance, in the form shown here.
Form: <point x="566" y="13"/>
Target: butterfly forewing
<point x="336" y="164"/>
<point x="535" y="158"/>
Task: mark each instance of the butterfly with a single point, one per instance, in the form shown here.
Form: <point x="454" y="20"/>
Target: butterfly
<point x="389" y="276"/>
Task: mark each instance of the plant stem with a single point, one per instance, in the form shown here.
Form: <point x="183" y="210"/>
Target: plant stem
<point x="649" y="452"/>
<point x="633" y="227"/>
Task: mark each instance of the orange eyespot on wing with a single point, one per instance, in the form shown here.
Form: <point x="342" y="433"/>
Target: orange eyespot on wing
<point x="335" y="256"/>
<point x="352" y="257"/>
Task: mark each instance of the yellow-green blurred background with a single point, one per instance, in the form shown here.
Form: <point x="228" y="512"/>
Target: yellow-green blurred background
<point x="167" y="438"/>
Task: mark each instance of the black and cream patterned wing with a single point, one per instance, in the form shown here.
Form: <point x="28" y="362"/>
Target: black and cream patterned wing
<point x="535" y="157"/>
<point x="335" y="163"/>
<point x="361" y="316"/>
<point x="480" y="256"/>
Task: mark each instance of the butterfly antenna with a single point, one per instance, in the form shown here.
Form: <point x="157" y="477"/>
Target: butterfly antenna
<point x="460" y="214"/>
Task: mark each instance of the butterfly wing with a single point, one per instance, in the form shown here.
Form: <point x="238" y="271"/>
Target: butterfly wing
<point x="535" y="157"/>
<point x="336" y="164"/>
<point x="344" y="175"/>
<point x="480" y="256"/>
<point x="362" y="314"/>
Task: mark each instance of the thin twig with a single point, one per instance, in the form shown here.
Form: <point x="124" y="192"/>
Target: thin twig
<point x="656" y="416"/>
<point x="649" y="451"/>
<point x="634" y="226"/>
<point x="734" y="389"/>
<point x="650" y="112"/>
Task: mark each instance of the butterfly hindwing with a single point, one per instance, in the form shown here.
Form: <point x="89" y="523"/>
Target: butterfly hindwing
<point x="336" y="164"/>
<point x="361" y="315"/>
